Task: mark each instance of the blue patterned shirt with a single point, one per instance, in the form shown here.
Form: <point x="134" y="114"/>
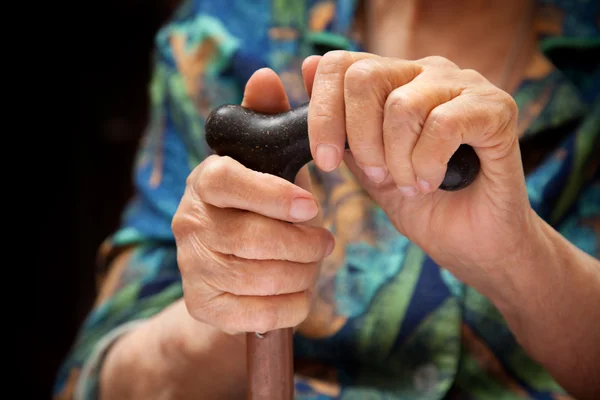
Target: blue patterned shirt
<point x="388" y="322"/>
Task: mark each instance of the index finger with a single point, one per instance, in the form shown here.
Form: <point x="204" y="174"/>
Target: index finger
<point x="326" y="111"/>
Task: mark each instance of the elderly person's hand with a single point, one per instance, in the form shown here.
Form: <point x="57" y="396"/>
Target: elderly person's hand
<point x="245" y="267"/>
<point x="403" y="120"/>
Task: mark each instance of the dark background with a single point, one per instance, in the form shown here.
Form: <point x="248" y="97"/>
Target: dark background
<point x="89" y="178"/>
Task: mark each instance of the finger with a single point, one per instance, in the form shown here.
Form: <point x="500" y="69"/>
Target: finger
<point x="225" y="183"/>
<point x="258" y="313"/>
<point x="309" y="69"/>
<point x="244" y="277"/>
<point x="265" y="93"/>
<point x="485" y="120"/>
<point x="367" y="84"/>
<point x="304" y="180"/>
<point x="326" y="112"/>
<point x="255" y="237"/>
<point x="406" y="110"/>
<point x="438" y="63"/>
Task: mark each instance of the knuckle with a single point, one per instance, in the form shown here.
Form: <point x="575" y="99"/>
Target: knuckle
<point x="502" y="112"/>
<point x="397" y="102"/>
<point x="359" y="74"/>
<point x="267" y="319"/>
<point x="510" y="106"/>
<point x="402" y="107"/>
<point x="179" y="344"/>
<point x="403" y="115"/>
<point x="472" y="75"/>
<point x="334" y="62"/>
<point x="440" y="61"/>
<point x="214" y="173"/>
<point x="182" y="223"/>
<point x="178" y="223"/>
<point x="196" y="172"/>
<point x="184" y="261"/>
<point x="198" y="308"/>
<point x="444" y="125"/>
<point x="191" y="217"/>
<point x="217" y="181"/>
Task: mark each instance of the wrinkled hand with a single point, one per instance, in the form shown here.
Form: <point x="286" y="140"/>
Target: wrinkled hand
<point x="245" y="267"/>
<point x="403" y="120"/>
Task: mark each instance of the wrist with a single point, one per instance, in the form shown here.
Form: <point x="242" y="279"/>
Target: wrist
<point x="526" y="271"/>
<point x="172" y="355"/>
<point x="200" y="361"/>
<point x="503" y="277"/>
<point x="550" y="305"/>
<point x="131" y="366"/>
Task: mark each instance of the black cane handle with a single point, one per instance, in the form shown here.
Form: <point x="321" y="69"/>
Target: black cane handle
<point x="278" y="144"/>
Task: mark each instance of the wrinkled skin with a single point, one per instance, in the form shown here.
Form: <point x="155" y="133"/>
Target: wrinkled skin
<point x="246" y="268"/>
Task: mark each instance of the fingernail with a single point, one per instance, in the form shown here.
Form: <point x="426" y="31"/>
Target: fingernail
<point x="303" y="209"/>
<point x="376" y="174"/>
<point x="408" y="191"/>
<point x="424" y="185"/>
<point x="327" y="157"/>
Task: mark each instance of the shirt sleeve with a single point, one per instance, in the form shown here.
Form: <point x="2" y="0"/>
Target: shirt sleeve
<point x="141" y="276"/>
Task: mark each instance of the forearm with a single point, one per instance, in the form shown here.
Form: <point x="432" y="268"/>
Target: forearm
<point x="157" y="362"/>
<point x="555" y="311"/>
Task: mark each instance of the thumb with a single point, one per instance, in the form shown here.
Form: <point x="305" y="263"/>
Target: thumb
<point x="265" y="93"/>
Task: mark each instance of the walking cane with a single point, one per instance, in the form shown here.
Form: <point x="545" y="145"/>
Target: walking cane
<point x="278" y="144"/>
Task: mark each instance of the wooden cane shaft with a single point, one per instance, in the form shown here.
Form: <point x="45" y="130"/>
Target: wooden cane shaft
<point x="270" y="365"/>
